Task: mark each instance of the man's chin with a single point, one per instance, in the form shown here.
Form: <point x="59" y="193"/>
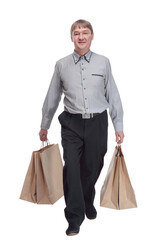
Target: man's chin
<point x="82" y="46"/>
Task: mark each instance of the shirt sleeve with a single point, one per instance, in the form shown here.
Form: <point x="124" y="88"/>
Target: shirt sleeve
<point x="52" y="99"/>
<point x="114" y="101"/>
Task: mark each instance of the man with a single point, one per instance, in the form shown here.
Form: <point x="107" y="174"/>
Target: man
<point x="86" y="80"/>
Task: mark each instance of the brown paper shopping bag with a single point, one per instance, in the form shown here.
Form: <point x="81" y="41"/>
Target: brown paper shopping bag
<point x="43" y="183"/>
<point x="117" y="191"/>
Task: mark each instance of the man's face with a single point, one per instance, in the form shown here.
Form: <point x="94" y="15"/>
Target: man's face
<point x="82" y="38"/>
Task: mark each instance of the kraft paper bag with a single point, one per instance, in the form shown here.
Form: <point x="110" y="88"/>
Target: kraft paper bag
<point x="117" y="191"/>
<point x="43" y="183"/>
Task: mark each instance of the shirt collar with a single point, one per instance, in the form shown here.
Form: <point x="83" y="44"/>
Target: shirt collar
<point x="77" y="57"/>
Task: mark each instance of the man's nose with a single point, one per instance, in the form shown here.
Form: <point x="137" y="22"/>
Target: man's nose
<point x="81" y="36"/>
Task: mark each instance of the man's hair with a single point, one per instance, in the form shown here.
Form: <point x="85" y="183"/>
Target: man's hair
<point x="81" y="23"/>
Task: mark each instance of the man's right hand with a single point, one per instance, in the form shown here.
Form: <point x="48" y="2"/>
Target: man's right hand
<point x="43" y="135"/>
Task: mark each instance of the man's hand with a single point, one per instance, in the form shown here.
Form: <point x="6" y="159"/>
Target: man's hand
<point x="119" y="137"/>
<point x="43" y="135"/>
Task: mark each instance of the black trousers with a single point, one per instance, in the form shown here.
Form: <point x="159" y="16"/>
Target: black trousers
<point x="84" y="143"/>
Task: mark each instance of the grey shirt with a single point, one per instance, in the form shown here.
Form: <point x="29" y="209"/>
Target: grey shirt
<point x="88" y="86"/>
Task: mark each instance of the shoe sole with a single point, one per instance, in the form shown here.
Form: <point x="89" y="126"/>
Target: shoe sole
<point x="72" y="234"/>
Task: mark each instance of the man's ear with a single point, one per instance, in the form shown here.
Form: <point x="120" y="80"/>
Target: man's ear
<point x="71" y="39"/>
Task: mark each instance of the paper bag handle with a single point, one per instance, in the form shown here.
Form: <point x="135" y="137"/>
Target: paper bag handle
<point x="119" y="150"/>
<point x="45" y="143"/>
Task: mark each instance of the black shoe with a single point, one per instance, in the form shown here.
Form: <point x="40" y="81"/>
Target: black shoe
<point x="73" y="229"/>
<point x="91" y="213"/>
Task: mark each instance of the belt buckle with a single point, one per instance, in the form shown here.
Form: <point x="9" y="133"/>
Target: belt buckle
<point x="87" y="115"/>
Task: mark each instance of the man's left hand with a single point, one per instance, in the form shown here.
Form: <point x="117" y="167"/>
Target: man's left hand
<point x="119" y="137"/>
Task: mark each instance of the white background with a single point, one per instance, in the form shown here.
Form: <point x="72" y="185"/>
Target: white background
<point x="34" y="35"/>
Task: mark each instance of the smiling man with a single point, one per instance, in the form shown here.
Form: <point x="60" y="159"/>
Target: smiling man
<point x="82" y="38"/>
<point x="89" y="90"/>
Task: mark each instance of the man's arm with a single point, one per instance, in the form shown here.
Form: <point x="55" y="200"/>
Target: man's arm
<point x="51" y="103"/>
<point x="115" y="105"/>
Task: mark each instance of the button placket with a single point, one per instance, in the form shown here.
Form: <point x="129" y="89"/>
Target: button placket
<point x="84" y="86"/>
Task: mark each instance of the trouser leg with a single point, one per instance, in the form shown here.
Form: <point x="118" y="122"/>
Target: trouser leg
<point x="95" y="147"/>
<point x="72" y="143"/>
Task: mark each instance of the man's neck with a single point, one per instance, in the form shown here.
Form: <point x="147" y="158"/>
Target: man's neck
<point x="81" y="53"/>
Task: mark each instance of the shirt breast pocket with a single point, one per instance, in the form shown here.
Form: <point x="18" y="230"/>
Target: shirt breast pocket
<point x="98" y="80"/>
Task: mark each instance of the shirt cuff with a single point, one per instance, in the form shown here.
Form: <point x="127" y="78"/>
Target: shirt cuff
<point x="45" y="124"/>
<point x="118" y="127"/>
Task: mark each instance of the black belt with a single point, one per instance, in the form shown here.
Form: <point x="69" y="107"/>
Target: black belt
<point x="84" y="115"/>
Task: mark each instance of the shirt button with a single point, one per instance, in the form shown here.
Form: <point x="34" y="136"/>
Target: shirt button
<point x="84" y="88"/>
<point x="82" y="69"/>
<point x="83" y="78"/>
<point x="85" y="98"/>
